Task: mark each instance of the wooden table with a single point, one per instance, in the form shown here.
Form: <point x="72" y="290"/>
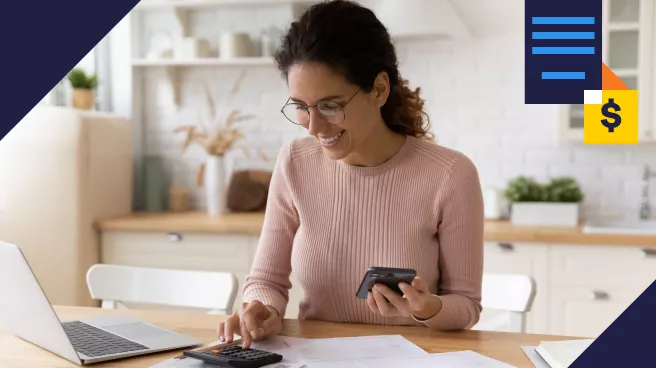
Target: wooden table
<point x="502" y="346"/>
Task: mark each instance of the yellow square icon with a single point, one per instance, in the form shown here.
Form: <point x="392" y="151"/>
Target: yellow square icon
<point x="614" y="121"/>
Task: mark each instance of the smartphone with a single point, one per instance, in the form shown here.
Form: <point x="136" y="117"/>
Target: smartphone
<point x="390" y="277"/>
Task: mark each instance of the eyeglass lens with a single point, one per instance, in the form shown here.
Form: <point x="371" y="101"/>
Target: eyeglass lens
<point x="331" y="112"/>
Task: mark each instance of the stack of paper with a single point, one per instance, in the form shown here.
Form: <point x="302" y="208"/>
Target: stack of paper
<point x="354" y="352"/>
<point x="460" y="359"/>
<point x="556" y="354"/>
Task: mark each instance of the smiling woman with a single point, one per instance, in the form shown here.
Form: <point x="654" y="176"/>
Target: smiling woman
<point x="368" y="187"/>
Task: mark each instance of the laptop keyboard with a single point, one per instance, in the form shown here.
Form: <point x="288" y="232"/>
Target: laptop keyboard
<point x="92" y="341"/>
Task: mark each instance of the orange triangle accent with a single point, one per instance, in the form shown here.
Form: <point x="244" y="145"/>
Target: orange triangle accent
<point x="610" y="81"/>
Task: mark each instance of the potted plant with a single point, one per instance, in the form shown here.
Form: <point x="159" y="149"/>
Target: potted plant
<point x="213" y="174"/>
<point x="83" y="86"/>
<point x="556" y="203"/>
<point x="217" y="137"/>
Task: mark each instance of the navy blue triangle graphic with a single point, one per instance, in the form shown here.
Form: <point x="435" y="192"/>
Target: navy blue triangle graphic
<point x="41" y="41"/>
<point x="629" y="341"/>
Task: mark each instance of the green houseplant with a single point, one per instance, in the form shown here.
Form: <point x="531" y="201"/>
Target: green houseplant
<point x="563" y="190"/>
<point x="524" y="189"/>
<point x="83" y="88"/>
<point x="555" y="203"/>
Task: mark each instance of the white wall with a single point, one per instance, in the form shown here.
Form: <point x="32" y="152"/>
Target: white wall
<point x="474" y="93"/>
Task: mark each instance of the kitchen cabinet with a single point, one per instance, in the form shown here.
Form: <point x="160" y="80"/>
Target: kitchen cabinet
<point x="583" y="265"/>
<point x="586" y="311"/>
<point x="592" y="285"/>
<point x="191" y="251"/>
<point x="583" y="281"/>
<point x="580" y="289"/>
<point x="628" y="50"/>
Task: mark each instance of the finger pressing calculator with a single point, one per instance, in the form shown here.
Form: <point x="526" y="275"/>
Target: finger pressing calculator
<point x="235" y="356"/>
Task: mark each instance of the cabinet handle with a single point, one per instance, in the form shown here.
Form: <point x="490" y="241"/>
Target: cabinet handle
<point x="648" y="252"/>
<point x="506" y="247"/>
<point x="174" y="237"/>
<point x="599" y="295"/>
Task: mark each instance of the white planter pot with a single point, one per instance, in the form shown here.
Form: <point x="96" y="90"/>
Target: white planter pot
<point x="215" y="183"/>
<point x="544" y="214"/>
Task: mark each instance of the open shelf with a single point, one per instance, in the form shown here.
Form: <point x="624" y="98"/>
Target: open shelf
<point x="245" y="61"/>
<point x="172" y="67"/>
<point x="625" y="72"/>
<point x="191" y="4"/>
<point x="624" y="26"/>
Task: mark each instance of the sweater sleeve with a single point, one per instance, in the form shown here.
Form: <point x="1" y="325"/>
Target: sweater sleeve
<point x="460" y="235"/>
<point x="268" y="280"/>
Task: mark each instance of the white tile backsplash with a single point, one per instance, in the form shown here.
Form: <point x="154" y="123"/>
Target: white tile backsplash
<point x="474" y="93"/>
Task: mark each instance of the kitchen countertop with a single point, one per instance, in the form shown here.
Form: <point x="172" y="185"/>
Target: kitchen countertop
<point x="234" y="223"/>
<point x="251" y="224"/>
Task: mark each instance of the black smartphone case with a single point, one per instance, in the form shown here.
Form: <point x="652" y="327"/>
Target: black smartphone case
<point x="389" y="277"/>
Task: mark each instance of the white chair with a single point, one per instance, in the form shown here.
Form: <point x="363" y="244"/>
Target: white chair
<point x="510" y="293"/>
<point x="115" y="285"/>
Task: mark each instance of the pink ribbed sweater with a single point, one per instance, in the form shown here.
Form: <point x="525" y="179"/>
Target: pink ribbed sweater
<point x="330" y="221"/>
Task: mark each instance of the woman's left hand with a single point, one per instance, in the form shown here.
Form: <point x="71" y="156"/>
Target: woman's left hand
<point x="416" y="301"/>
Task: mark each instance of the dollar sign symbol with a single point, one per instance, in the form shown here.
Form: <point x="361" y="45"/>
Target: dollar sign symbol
<point x="609" y="114"/>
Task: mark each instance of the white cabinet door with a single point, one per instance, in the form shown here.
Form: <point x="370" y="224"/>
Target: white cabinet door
<point x="628" y="50"/>
<point x="585" y="265"/>
<point x="592" y="285"/>
<point x="191" y="251"/>
<point x="586" y="311"/>
<point x="177" y="250"/>
<point x="525" y="259"/>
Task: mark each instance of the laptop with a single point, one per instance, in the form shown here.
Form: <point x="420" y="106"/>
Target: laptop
<point x="26" y="312"/>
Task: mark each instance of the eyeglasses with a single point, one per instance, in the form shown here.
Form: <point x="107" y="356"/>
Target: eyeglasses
<point x="330" y="111"/>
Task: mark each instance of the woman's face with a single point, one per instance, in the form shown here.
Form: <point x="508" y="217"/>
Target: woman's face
<point x="343" y="116"/>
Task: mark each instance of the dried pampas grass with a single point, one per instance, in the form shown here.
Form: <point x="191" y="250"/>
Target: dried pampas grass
<point x="218" y="137"/>
<point x="224" y="136"/>
<point x="217" y="142"/>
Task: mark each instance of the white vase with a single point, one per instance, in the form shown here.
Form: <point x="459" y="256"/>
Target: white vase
<point x="215" y="182"/>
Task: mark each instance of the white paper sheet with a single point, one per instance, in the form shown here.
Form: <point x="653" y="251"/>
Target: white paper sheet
<point x="353" y="348"/>
<point x="298" y="352"/>
<point x="460" y="359"/>
<point x="535" y="358"/>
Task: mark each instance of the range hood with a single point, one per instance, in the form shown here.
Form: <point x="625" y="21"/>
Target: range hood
<point x="420" y="18"/>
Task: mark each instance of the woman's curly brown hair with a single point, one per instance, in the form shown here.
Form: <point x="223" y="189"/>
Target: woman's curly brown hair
<point x="349" y="38"/>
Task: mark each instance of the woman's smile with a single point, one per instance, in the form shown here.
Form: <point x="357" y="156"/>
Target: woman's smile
<point x="331" y="140"/>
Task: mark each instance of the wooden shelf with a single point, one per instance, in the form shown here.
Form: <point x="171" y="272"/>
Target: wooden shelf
<point x="191" y="4"/>
<point x="246" y="61"/>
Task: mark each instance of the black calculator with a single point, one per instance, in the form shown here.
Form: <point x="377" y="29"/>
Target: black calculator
<point x="235" y="356"/>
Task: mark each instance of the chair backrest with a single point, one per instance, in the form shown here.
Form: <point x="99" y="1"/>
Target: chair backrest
<point x="113" y="284"/>
<point x="510" y="292"/>
<point x="513" y="293"/>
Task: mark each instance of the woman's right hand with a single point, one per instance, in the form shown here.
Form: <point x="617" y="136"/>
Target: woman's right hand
<point x="254" y="321"/>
